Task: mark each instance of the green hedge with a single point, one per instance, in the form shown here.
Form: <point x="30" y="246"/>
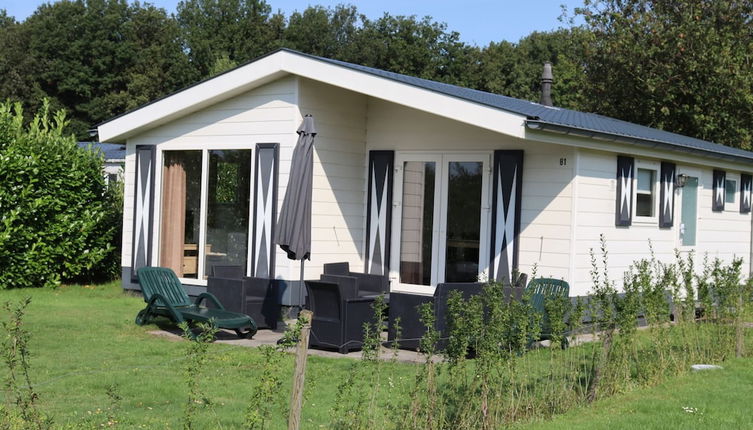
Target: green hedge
<point x="58" y="219"/>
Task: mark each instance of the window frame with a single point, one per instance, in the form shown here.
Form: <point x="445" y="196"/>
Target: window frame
<point x="205" y="148"/>
<point x="655" y="167"/>
<point x="439" y="238"/>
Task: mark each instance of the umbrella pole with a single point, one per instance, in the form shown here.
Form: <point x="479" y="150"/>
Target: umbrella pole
<point x="301" y="287"/>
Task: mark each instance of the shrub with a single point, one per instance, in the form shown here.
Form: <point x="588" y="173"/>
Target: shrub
<point x="57" y="216"/>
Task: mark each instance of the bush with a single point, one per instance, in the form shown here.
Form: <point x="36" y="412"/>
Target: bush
<point x="58" y="221"/>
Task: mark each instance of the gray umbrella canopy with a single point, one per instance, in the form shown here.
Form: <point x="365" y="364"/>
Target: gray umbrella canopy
<point x="294" y="224"/>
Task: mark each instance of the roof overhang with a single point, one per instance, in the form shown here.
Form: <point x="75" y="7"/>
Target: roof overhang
<point x="536" y="125"/>
<point x="284" y="62"/>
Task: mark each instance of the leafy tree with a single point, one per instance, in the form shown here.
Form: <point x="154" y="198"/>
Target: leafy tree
<point x="17" y="68"/>
<point x="158" y="65"/>
<point x="227" y="32"/>
<point x="413" y="46"/>
<point x="56" y="214"/>
<point x="680" y="66"/>
<point x="324" y="32"/>
<point x="515" y="69"/>
<point x="98" y="58"/>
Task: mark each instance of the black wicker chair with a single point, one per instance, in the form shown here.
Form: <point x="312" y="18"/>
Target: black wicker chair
<point x="366" y="284"/>
<point x="405" y="306"/>
<point x="339" y="315"/>
<point x="255" y="297"/>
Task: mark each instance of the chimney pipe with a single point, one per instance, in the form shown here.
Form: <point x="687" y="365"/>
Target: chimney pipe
<point x="546" y="85"/>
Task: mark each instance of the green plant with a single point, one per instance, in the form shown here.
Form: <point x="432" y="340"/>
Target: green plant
<point x="603" y="317"/>
<point x="58" y="221"/>
<point x="16" y="355"/>
<point x="266" y="389"/>
<point x="356" y="405"/>
<point x="196" y="358"/>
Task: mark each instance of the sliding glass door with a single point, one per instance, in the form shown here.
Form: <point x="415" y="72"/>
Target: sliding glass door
<point x="440" y="218"/>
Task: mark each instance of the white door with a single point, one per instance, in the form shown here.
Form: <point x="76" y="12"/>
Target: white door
<point x="440" y="219"/>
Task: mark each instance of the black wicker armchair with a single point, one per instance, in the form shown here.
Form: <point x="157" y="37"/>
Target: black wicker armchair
<point x="255" y="297"/>
<point x="339" y="315"/>
<point x="405" y="306"/>
<point x="366" y="284"/>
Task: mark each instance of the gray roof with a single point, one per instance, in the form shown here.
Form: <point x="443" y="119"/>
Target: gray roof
<point x="111" y="151"/>
<point x="563" y="120"/>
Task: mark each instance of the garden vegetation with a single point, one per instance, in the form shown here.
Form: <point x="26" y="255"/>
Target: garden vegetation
<point x="491" y="374"/>
<point x="59" y="221"/>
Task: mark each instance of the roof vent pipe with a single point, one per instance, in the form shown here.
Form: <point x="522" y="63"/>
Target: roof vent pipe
<point x="546" y="85"/>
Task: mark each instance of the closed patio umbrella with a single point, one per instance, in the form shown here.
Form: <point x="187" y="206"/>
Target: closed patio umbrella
<point x="294" y="225"/>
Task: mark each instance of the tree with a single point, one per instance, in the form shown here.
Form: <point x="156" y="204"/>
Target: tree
<point x="96" y="59"/>
<point x="680" y="66"/>
<point x="227" y="31"/>
<point x="412" y="46"/>
<point x="324" y="32"/>
<point x="515" y="69"/>
<point x="158" y="65"/>
<point x="17" y="68"/>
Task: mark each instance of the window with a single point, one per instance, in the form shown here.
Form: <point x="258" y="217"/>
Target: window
<point x="645" y="193"/>
<point x="181" y="207"/>
<point x="730" y="189"/>
<point x="196" y="232"/>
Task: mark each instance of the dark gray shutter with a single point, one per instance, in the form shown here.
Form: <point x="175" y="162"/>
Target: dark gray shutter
<point x="507" y="187"/>
<point x="624" y="202"/>
<point x="143" y="209"/>
<point x="379" y="211"/>
<point x="720" y="179"/>
<point x="667" y="195"/>
<point x="745" y="189"/>
<point x="266" y="164"/>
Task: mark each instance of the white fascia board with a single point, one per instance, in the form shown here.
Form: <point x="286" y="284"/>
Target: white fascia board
<point x="678" y="156"/>
<point x="407" y="95"/>
<point x="191" y="99"/>
<point x="281" y="63"/>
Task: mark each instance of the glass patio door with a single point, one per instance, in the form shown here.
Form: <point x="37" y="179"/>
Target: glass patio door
<point x="440" y="218"/>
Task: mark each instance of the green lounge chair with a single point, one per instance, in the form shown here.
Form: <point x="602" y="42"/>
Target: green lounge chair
<point x="165" y="296"/>
<point x="540" y="290"/>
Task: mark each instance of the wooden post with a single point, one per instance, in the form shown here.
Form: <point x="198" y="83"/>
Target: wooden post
<point x="296" y="396"/>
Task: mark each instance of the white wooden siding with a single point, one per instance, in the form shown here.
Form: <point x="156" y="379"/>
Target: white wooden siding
<point x="725" y="234"/>
<point x="267" y="114"/>
<point x="339" y="194"/>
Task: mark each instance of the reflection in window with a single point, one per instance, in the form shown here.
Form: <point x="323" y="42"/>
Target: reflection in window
<point x="644" y="193"/>
<point x="730" y="188"/>
<point x="417" y="225"/>
<point x="227" y="209"/>
<point x="181" y="206"/>
<point x="463" y="221"/>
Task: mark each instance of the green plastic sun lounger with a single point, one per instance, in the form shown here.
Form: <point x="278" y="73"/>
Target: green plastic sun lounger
<point x="165" y="296"/>
<point x="540" y="290"/>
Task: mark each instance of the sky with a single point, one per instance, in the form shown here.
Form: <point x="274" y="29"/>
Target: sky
<point x="478" y="21"/>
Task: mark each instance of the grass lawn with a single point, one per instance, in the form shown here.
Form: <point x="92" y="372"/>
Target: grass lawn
<point x="84" y="340"/>
<point x="717" y="399"/>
